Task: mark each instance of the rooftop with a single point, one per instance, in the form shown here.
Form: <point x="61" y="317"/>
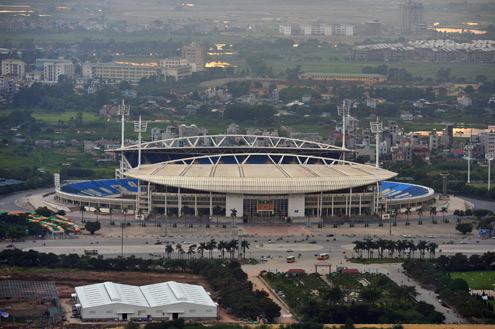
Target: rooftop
<point x="153" y="295"/>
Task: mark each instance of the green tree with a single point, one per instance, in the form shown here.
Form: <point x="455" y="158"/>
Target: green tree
<point x="92" y="227"/>
<point x="464" y="228"/>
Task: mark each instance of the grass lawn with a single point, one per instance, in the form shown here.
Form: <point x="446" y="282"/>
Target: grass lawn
<point x="476" y="279"/>
<point x="64" y="116"/>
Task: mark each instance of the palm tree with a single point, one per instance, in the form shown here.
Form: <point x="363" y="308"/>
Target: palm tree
<point x="82" y="208"/>
<point x="233" y="245"/>
<point x="422" y="246"/>
<point x="179" y="249"/>
<point x="443" y="211"/>
<point x="420" y="215"/>
<point x="408" y="213"/>
<point x="110" y="211"/>
<point x="211" y="245"/>
<point x="124" y="211"/>
<point x="191" y="250"/>
<point x="433" y="213"/>
<point x="97" y="211"/>
<point x="169" y="249"/>
<point x="244" y="245"/>
<point x="432" y="248"/>
<point x="221" y="246"/>
<point x="359" y="247"/>
<point x="201" y="249"/>
<point x="395" y="213"/>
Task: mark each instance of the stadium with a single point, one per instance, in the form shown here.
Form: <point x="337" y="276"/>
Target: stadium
<point x="245" y="176"/>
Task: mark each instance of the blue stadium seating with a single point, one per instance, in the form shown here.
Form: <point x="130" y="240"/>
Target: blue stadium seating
<point x="102" y="187"/>
<point x="396" y="190"/>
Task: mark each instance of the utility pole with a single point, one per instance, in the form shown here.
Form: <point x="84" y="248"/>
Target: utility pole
<point x="489" y="158"/>
<point x="344" y="112"/>
<point x="377" y="129"/>
<point x="469" y="149"/>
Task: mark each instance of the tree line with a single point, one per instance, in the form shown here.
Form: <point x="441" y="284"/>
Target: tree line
<point x="403" y="248"/>
<point x="229" y="247"/>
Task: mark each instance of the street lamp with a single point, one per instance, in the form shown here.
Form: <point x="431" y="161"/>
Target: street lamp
<point x="377" y="129"/>
<point x="489" y="157"/>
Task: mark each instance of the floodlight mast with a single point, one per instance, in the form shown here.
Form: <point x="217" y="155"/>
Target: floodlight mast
<point x="123" y="111"/>
<point x="489" y="157"/>
<point x="377" y="129"/>
<point x="140" y="127"/>
<point x="344" y="112"/>
<point x="469" y="149"/>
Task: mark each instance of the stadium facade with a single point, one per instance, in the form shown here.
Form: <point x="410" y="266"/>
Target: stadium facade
<point x="251" y="177"/>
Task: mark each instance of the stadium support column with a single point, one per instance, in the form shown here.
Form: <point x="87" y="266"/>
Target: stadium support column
<point x="350" y="201"/>
<point x="196" y="205"/>
<point x="360" y="204"/>
<point x="165" y="208"/>
<point x="211" y="205"/>
<point x="333" y="197"/>
<point x="179" y="202"/>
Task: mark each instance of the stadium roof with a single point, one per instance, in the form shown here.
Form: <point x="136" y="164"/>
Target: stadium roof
<point x="154" y="295"/>
<point x="273" y="174"/>
<point x="234" y="141"/>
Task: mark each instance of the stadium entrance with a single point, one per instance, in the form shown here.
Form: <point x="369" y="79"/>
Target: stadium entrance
<point x="273" y="207"/>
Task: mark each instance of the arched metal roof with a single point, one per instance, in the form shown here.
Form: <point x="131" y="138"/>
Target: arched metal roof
<point x="233" y="141"/>
<point x="274" y="174"/>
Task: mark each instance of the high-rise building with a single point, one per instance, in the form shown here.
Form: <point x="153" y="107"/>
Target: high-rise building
<point x="412" y="17"/>
<point x="195" y="53"/>
<point x="487" y="139"/>
<point x="53" y="69"/>
<point x="15" y="68"/>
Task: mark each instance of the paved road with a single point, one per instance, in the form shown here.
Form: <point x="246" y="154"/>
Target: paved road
<point x="13" y="201"/>
<point x="482" y="204"/>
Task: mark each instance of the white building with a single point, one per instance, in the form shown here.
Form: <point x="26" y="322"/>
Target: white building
<point x="13" y="68"/>
<point x="120" y="71"/>
<point x="173" y="62"/>
<point x="53" y="69"/>
<point x="166" y="300"/>
<point x="178" y="72"/>
<point x="285" y="29"/>
<point x="343" y="29"/>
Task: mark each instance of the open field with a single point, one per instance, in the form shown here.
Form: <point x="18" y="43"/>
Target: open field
<point x="64" y="116"/>
<point x="477" y="280"/>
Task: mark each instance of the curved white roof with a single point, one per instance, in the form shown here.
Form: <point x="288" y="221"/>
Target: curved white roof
<point x="282" y="174"/>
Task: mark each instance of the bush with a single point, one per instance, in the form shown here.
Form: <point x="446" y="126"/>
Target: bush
<point x="92" y="227"/>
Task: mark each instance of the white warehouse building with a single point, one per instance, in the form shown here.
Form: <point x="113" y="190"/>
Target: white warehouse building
<point x="121" y="302"/>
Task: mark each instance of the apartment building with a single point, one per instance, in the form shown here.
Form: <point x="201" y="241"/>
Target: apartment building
<point x="15" y="68"/>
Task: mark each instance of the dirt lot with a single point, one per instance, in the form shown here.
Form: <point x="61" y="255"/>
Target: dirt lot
<point x="67" y="280"/>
